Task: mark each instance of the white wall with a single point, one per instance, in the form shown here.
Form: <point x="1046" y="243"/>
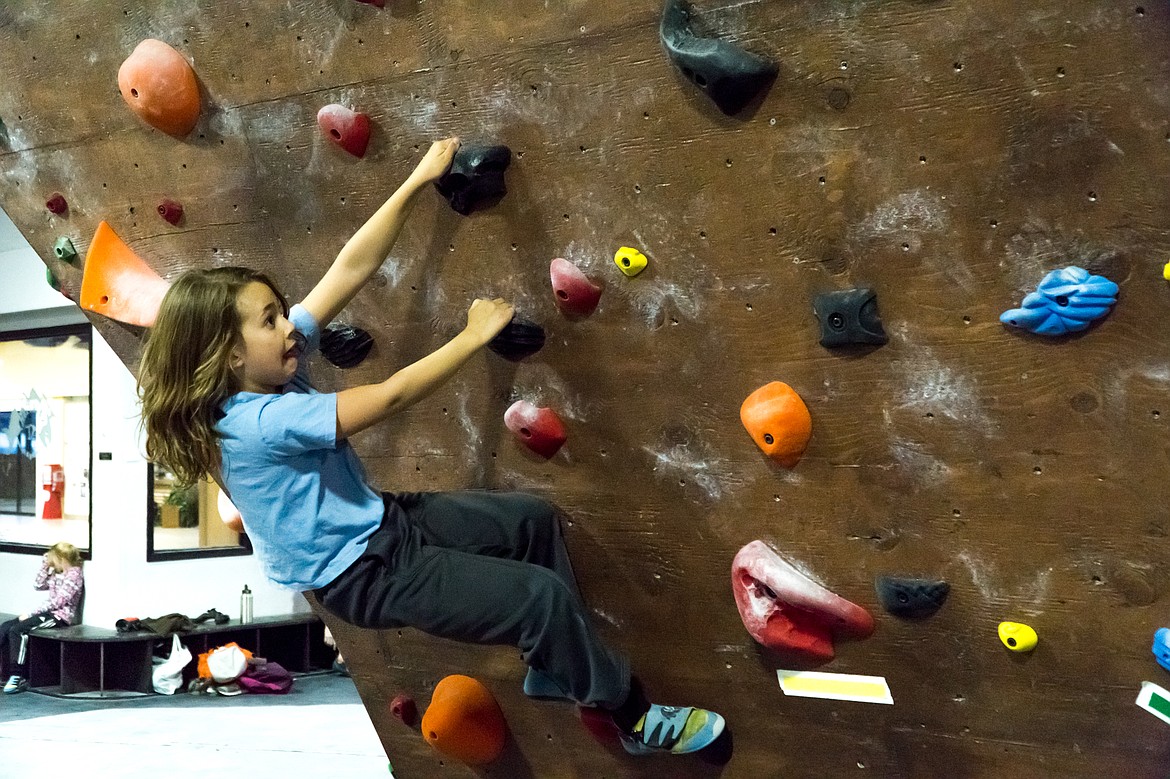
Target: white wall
<point x="119" y="580"/>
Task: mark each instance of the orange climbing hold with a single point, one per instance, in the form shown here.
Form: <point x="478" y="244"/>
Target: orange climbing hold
<point x="464" y="721"/>
<point x="117" y="283"/>
<point x="778" y="421"/>
<point x="160" y="86"/>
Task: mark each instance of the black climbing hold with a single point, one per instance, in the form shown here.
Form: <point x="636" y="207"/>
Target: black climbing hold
<point x="915" y="598"/>
<point x="519" y="339"/>
<point x="728" y="74"/>
<point x="3" y="134"/>
<point x="476" y="174"/>
<point x="345" y="346"/>
<point x="849" y="316"/>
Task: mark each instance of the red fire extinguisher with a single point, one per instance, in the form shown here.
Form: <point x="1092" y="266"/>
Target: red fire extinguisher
<point x="52" y="481"/>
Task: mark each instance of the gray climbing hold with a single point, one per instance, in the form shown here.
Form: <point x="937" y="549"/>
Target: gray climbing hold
<point x="913" y="598"/>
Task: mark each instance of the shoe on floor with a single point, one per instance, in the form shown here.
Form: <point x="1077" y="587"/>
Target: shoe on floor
<point x="15" y="684"/>
<point x="340" y="668"/>
<point x="673" y="729"/>
<point x="538" y="685"/>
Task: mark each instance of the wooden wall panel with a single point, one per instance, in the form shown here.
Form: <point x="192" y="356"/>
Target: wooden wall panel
<point x="946" y="152"/>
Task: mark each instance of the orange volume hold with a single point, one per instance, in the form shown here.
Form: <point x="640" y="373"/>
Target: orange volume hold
<point x="778" y="421"/>
<point x="464" y="721"/>
<point x="117" y="283"/>
<point x="160" y="86"/>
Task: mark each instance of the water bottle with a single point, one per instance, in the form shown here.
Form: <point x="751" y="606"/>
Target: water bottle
<point x="246" y="605"/>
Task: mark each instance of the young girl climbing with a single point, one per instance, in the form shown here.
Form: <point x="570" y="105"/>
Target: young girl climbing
<point x="225" y="390"/>
<point x="60" y="574"/>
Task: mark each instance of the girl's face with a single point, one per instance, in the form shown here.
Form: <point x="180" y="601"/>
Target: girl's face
<point x="266" y="358"/>
<point x="55" y="562"/>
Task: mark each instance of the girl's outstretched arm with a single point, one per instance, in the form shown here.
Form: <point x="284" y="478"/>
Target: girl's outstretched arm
<point x="360" y="407"/>
<point x="365" y="252"/>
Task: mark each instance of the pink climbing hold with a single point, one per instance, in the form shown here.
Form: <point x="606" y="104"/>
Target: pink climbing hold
<point x="56" y="203"/>
<point x="540" y="429"/>
<point x="170" y="211"/>
<point x="576" y="296"/>
<point x="404" y="708"/>
<point x="347" y="128"/>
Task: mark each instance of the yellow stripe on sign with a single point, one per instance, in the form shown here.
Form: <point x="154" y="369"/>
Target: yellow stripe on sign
<point x="841" y="687"/>
<point x="835" y="687"/>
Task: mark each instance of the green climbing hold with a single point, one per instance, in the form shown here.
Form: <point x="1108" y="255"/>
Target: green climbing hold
<point x="64" y="250"/>
<point x="52" y="279"/>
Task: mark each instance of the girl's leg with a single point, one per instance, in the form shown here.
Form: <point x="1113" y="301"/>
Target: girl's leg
<point x="511" y="525"/>
<point x="485" y="600"/>
<point x="17" y="641"/>
<point x="5" y="663"/>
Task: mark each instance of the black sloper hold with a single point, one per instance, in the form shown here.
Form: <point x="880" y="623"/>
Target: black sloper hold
<point x="914" y="598"/>
<point x="345" y="346"/>
<point x="519" y="339"/>
<point x="849" y="317"/>
<point x="476" y="173"/>
<point x="728" y="74"/>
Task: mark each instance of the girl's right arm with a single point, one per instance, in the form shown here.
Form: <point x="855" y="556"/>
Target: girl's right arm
<point x="42" y="580"/>
<point x="360" y="407"/>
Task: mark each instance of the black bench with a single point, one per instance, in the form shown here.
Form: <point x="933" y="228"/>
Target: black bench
<point x="90" y="662"/>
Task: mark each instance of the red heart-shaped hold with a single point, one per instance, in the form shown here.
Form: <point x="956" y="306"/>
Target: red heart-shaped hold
<point x="540" y="429"/>
<point x="347" y="128"/>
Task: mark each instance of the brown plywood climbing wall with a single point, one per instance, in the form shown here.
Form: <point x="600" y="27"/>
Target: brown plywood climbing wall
<point x="947" y="154"/>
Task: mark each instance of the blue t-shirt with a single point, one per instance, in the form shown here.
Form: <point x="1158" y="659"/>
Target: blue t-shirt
<point x="303" y="495"/>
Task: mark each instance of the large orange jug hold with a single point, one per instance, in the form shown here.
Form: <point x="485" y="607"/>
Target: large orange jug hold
<point x="778" y="421"/>
<point x="160" y="86"/>
<point x="464" y="721"/>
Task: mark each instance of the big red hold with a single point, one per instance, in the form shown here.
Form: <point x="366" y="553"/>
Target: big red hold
<point x="787" y="611"/>
<point x="347" y="128"/>
<point x="160" y="86"/>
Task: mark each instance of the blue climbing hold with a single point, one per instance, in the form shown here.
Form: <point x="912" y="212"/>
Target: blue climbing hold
<point x="1067" y="300"/>
<point x="1161" y="648"/>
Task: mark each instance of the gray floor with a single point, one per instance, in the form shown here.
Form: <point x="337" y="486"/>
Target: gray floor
<point x="319" y="729"/>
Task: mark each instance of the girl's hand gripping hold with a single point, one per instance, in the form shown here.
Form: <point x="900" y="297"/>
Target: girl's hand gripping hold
<point x="486" y="318"/>
<point x="436" y="161"/>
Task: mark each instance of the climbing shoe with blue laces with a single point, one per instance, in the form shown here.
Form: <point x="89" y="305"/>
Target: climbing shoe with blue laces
<point x="674" y="729"/>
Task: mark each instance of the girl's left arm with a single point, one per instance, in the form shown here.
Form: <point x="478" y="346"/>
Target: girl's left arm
<point x="365" y="252"/>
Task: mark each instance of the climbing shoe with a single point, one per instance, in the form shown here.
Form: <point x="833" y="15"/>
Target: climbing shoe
<point x="539" y="685"/>
<point x="673" y="729"/>
<point x="15" y="684"/>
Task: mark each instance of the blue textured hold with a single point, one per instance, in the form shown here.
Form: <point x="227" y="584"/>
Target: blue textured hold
<point x="1067" y="300"/>
<point x="1161" y="648"/>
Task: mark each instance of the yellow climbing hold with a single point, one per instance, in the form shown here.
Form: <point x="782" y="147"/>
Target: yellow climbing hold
<point x="1166" y="271"/>
<point x="630" y="261"/>
<point x="1017" y="636"/>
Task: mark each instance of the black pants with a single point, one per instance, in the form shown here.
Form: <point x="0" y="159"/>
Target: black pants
<point x="15" y="632"/>
<point x="486" y="568"/>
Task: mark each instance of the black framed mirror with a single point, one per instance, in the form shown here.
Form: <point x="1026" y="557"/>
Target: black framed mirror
<point x="183" y="523"/>
<point x="46" y="434"/>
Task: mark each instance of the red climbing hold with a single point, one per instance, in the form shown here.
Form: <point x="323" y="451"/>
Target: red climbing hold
<point x="785" y="610"/>
<point x="576" y="296"/>
<point x="540" y="429"/>
<point x="404" y="708"/>
<point x="347" y="128"/>
<point x="170" y="211"/>
<point x="56" y="203"/>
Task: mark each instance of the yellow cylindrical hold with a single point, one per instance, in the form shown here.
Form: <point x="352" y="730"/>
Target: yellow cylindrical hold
<point x="1166" y="271"/>
<point x="630" y="261"/>
<point x="1017" y="636"/>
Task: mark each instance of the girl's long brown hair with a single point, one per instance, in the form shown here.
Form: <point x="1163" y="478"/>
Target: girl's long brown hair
<point x="185" y="373"/>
